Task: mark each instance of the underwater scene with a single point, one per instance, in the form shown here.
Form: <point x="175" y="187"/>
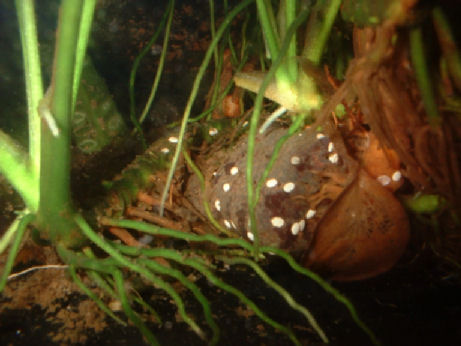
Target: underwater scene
<point x="254" y="172"/>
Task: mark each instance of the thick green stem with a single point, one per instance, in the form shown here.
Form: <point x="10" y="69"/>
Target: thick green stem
<point x="285" y="81"/>
<point x="318" y="29"/>
<point x="290" y="16"/>
<point x="55" y="209"/>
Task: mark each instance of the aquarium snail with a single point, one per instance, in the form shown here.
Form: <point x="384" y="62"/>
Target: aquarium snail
<point x="317" y="203"/>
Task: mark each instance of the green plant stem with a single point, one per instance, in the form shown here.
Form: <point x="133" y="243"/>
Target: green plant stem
<point x="133" y="316"/>
<point x="97" y="277"/>
<point x="71" y="257"/>
<point x="418" y="59"/>
<point x="290" y="16"/>
<point x="123" y="261"/>
<point x="101" y="282"/>
<point x="318" y="29"/>
<point x="272" y="39"/>
<point x="93" y="296"/>
<point x="138" y="299"/>
<point x="299" y="121"/>
<point x="33" y="78"/>
<point x="22" y="226"/>
<point x="243" y="41"/>
<point x="8" y="235"/>
<point x="204" y="269"/>
<point x="218" y="95"/>
<point x="243" y="298"/>
<point x="82" y="42"/>
<point x="283" y="292"/>
<point x="20" y="169"/>
<point x="217" y="79"/>
<point x="161" y="63"/>
<point x="136" y="63"/>
<point x="268" y="26"/>
<point x="326" y="286"/>
<point x="178" y="275"/>
<point x="55" y="210"/>
<point x="206" y="205"/>
<point x="212" y="106"/>
<point x="162" y="284"/>
<point x="213" y="33"/>
<point x="226" y="22"/>
<point x="156" y="230"/>
<point x="14" y="165"/>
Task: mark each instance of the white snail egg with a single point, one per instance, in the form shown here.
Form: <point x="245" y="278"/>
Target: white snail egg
<point x="234" y="170"/>
<point x="396" y="176"/>
<point x="217" y="205"/>
<point x="288" y="187"/>
<point x="333" y="158"/>
<point x="310" y="214"/>
<point x="277" y="221"/>
<point x="271" y="182"/>
<point x="295" y="160"/>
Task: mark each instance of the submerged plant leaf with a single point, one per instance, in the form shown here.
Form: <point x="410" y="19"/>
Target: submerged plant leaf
<point x="300" y="96"/>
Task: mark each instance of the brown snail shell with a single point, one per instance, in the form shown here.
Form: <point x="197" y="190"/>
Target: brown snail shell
<point x="316" y="203"/>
